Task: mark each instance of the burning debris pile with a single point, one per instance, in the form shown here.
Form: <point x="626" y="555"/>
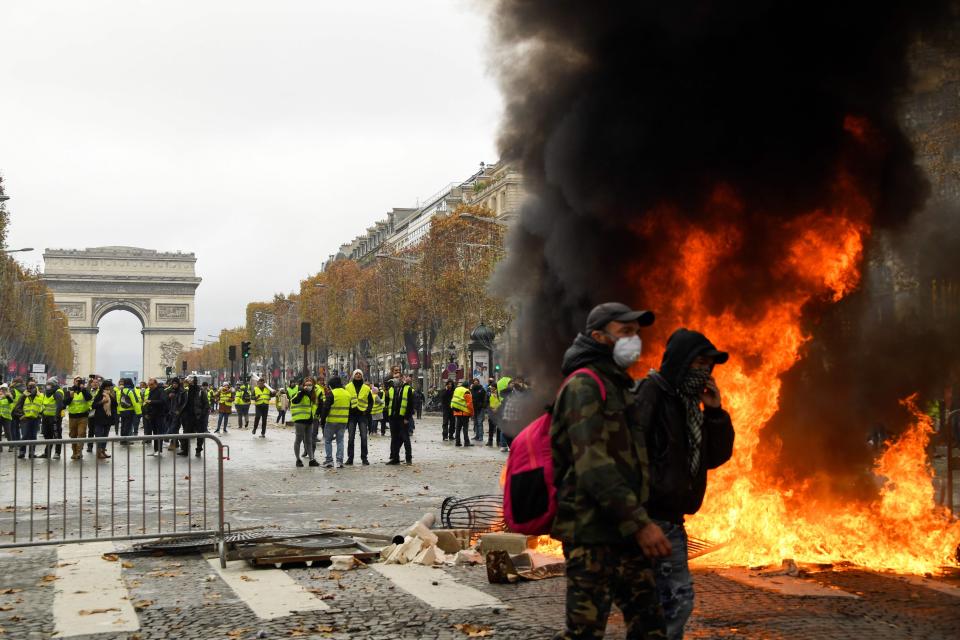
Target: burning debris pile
<point x="734" y="167"/>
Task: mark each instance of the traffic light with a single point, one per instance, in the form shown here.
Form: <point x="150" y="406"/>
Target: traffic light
<point x="232" y="352"/>
<point x="245" y="350"/>
<point x="496" y="368"/>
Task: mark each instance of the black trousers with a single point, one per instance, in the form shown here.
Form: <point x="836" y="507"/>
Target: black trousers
<point x="448" y="425"/>
<point x="152" y="426"/>
<point x="48" y="426"/>
<point x="260" y="417"/>
<point x="463" y="425"/>
<point x="399" y="435"/>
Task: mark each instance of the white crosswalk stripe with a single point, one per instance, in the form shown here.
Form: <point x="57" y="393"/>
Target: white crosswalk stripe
<point x="90" y="595"/>
<point x="436" y="587"/>
<point x="270" y="593"/>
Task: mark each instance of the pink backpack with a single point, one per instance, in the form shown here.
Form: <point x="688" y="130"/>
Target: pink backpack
<point x="529" y="495"/>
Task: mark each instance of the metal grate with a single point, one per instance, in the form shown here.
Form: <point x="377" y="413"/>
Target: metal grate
<point x="479" y="514"/>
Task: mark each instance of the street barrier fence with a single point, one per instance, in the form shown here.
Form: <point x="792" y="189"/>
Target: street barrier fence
<point x="130" y="496"/>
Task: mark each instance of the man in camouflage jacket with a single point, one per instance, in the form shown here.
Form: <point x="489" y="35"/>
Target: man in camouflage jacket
<point x="601" y="475"/>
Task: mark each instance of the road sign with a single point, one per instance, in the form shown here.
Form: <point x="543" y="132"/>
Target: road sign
<point x="39" y="368"/>
<point x="41" y="378"/>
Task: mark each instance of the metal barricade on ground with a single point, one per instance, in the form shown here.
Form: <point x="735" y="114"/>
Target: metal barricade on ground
<point x="132" y="495"/>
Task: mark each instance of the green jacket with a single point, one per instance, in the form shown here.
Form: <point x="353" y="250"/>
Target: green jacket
<point x="600" y="460"/>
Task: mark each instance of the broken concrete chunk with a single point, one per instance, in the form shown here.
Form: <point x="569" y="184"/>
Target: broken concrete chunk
<point x="467" y="556"/>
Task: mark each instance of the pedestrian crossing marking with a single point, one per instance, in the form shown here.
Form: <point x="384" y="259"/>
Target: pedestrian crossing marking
<point x="90" y="595"/>
<point x="786" y="585"/>
<point x="270" y="593"/>
<point x="436" y="587"/>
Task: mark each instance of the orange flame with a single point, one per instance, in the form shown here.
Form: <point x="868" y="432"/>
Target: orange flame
<point x="762" y="520"/>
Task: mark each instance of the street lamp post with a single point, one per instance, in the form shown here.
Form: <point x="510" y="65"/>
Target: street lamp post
<point x="16" y="250"/>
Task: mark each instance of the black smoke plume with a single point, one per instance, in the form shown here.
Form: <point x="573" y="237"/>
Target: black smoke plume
<point x="615" y="108"/>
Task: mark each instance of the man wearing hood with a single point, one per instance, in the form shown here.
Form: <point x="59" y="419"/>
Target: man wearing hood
<point x="687" y="433"/>
<point x="361" y="406"/>
<point x="602" y="481"/>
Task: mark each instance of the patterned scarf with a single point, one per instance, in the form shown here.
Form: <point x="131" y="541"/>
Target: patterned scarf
<point x="690" y="389"/>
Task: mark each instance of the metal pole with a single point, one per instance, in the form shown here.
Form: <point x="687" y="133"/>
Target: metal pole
<point x="948" y="425"/>
<point x="306" y="367"/>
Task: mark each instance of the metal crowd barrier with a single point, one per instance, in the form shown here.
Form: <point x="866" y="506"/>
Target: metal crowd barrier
<point x="130" y="496"/>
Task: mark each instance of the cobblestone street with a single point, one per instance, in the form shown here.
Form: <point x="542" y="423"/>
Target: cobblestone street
<point x="190" y="597"/>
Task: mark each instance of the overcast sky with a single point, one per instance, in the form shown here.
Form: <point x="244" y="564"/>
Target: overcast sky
<point x="258" y="134"/>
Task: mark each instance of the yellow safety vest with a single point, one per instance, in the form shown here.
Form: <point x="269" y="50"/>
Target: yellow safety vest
<point x="238" y="399"/>
<point x="359" y="400"/>
<point x="459" y="403"/>
<point x="120" y="393"/>
<point x="48" y="404"/>
<point x="225" y="398"/>
<point x="32" y="406"/>
<point x="404" y="397"/>
<point x="321" y="399"/>
<point x="261" y="396"/>
<point x="6" y="408"/>
<point x="377" y="404"/>
<point x="303" y="410"/>
<point x="137" y="397"/>
<point x="494" y="401"/>
<point x="340" y="409"/>
<point x="78" y="406"/>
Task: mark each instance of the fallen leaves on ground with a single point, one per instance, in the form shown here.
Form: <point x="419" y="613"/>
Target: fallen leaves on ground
<point x="110" y="557"/>
<point x="140" y="605"/>
<point x="9" y="591"/>
<point x="7" y="607"/>
<point x="47" y="579"/>
<point x="473" y="630"/>
<point x="90" y="612"/>
<point x="320" y="593"/>
<point x="164" y="574"/>
<point x="126" y="564"/>
<point x="236" y="633"/>
<point x="247" y="578"/>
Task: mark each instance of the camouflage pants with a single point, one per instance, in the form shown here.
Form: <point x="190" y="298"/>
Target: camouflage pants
<point x="600" y="575"/>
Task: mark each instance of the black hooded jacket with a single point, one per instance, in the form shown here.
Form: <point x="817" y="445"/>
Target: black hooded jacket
<point x="674" y="492"/>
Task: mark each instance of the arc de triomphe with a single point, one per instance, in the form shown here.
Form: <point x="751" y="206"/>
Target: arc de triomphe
<point x="156" y="287"/>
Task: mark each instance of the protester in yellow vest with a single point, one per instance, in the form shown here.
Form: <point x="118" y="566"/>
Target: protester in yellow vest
<point x="6" y="411"/>
<point x="462" y="405"/>
<point x="241" y="400"/>
<point x="79" y="401"/>
<point x="323" y="392"/>
<point x="361" y="407"/>
<point x="126" y="406"/>
<point x="302" y="410"/>
<point x="225" y="406"/>
<point x="337" y="415"/>
<point x="492" y="412"/>
<point x="399" y="407"/>
<point x="261" y="399"/>
<point x="50" y="406"/>
<point x="30" y="406"/>
<point x="376" y="413"/>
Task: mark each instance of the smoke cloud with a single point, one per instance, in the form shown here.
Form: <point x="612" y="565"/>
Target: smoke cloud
<point x="712" y="114"/>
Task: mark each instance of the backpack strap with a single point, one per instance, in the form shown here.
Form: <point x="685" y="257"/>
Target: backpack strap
<point x="592" y="374"/>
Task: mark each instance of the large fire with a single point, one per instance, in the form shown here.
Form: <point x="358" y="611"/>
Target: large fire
<point x="761" y="519"/>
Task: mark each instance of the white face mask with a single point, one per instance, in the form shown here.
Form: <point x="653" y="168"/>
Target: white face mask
<point x="626" y="351"/>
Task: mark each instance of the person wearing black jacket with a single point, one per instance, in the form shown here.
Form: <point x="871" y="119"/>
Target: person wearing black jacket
<point x="398" y="409"/>
<point x="448" y="423"/>
<point x="104" y="410"/>
<point x="687" y="433"/>
<point x="195" y="409"/>
<point x="479" y="395"/>
<point x="176" y="401"/>
<point x="154" y="414"/>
